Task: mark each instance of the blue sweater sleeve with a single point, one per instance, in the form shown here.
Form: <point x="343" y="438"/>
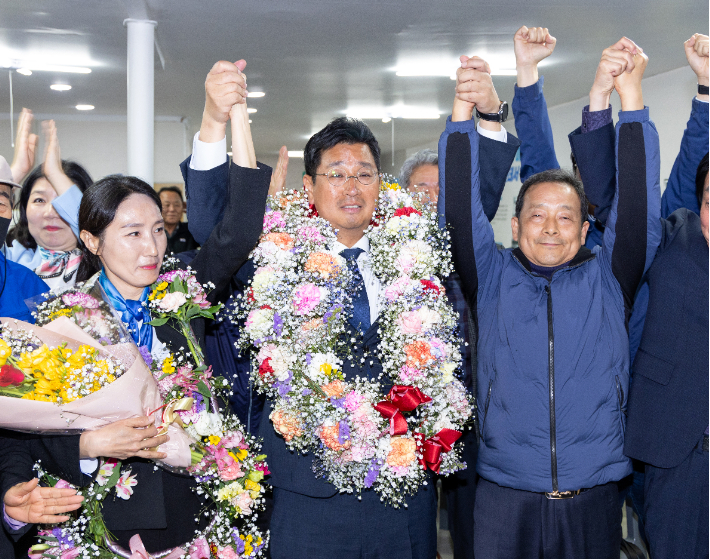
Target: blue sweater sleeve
<point x="67" y="206"/>
<point x="680" y="190"/>
<point x="206" y="194"/>
<point x="633" y="230"/>
<point x="532" y="123"/>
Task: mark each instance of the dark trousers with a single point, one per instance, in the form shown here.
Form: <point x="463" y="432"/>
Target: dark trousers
<point x="344" y="527"/>
<point x="676" y="502"/>
<point x="512" y="523"/>
<point x="460" y="491"/>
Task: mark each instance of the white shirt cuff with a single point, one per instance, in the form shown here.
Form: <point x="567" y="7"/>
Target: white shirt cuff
<point x="207" y="155"/>
<point x="88" y="466"/>
<point x="499" y="135"/>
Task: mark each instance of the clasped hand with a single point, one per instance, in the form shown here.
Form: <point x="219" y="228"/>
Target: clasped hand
<point x="133" y="437"/>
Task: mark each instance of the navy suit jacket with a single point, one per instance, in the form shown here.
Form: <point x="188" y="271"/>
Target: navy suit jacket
<point x="668" y="400"/>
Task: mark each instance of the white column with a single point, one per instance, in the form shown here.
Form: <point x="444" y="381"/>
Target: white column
<point x="141" y="101"/>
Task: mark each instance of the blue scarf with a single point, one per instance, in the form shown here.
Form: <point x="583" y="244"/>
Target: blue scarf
<point x="131" y="312"/>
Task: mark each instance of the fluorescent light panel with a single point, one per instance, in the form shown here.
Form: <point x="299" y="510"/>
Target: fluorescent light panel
<point x="256" y="94"/>
<point x="295" y="153"/>
<point x="251" y="110"/>
<point x="85" y="107"/>
<point x="60" y="87"/>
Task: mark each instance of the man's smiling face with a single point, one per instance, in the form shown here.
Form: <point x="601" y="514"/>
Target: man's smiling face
<point x="348" y="208"/>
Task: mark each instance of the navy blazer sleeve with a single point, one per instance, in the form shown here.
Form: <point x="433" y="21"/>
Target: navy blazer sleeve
<point x="206" y="192"/>
<point x="595" y="153"/>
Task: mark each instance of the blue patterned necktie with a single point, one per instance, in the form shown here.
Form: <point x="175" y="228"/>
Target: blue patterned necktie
<point x="131" y="312"/>
<point x="361" y="305"/>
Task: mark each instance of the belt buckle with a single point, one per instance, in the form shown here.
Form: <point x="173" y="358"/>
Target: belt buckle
<point x="566" y="495"/>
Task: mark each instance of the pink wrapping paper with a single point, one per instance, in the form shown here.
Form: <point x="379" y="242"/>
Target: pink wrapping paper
<point x="133" y="394"/>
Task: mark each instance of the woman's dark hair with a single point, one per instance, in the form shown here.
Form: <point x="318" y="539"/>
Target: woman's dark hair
<point x="21" y="232"/>
<point x="554" y="176"/>
<point x="343" y="130"/>
<point x="700" y="175"/>
<point x="98" y="209"/>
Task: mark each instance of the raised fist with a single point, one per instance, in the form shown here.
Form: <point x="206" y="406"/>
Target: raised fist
<point x="696" y="51"/>
<point x="474" y="89"/>
<point x="225" y="87"/>
<point x="628" y="84"/>
<point x="616" y="60"/>
<point x="532" y="45"/>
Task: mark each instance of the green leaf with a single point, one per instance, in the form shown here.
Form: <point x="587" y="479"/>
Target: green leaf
<point x="179" y="285"/>
<point x="204" y="390"/>
<point x="206" y="314"/>
<point x="159" y="322"/>
<point x="193" y="311"/>
<point x="259" y="458"/>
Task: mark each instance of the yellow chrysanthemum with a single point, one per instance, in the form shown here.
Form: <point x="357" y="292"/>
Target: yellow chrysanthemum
<point x="214" y="440"/>
<point x="60" y="313"/>
<point x="168" y="365"/>
<point x="5" y="352"/>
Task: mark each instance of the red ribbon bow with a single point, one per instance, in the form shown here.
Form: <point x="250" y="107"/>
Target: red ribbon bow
<point x="432" y="448"/>
<point x="401" y="398"/>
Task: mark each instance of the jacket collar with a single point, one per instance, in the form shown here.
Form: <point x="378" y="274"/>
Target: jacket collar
<point x="582" y="256"/>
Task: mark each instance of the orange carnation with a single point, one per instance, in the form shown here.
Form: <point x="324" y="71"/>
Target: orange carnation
<point x="312" y="324"/>
<point x="286" y="424"/>
<point x="322" y="263"/>
<point x="329" y="436"/>
<point x="282" y="240"/>
<point x="334" y="388"/>
<point x="418" y="353"/>
<point x="403" y="452"/>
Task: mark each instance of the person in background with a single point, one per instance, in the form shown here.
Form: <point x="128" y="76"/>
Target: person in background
<point x="551" y="381"/>
<point x="179" y="237"/>
<point x="46" y="237"/>
<point x="17" y="282"/>
<point x="667" y="425"/>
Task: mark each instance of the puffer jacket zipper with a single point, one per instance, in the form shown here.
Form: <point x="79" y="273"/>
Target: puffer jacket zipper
<point x="551" y="380"/>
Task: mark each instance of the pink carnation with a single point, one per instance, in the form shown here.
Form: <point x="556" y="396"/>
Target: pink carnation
<point x="244" y="502"/>
<point x="61" y="483"/>
<point x="199" y="549"/>
<point x="82" y="300"/>
<point x="310" y="233"/>
<point x="397" y="288"/>
<point x="410" y="322"/>
<point x="353" y="400"/>
<point x="273" y="220"/>
<point x="231" y="472"/>
<point x="227" y="552"/>
<point x="232" y="440"/>
<point x="408" y="374"/>
<point x="306" y="298"/>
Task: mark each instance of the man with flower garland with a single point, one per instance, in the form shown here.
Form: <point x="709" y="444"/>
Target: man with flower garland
<point x="553" y="345"/>
<point x="310" y="518"/>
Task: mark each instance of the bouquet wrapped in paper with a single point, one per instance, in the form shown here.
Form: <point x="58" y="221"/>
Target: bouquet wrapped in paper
<point x="79" y="371"/>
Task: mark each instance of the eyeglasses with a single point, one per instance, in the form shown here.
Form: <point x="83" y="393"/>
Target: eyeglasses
<point x="338" y="178"/>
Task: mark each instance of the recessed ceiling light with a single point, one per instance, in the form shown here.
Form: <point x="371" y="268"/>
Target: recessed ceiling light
<point x="60" y="87"/>
<point x="24" y="71"/>
<point x="249" y="121"/>
<point x="85" y="107"/>
<point x="256" y="94"/>
<point x="386" y="119"/>
<point x="251" y="110"/>
<point x="295" y="153"/>
<point x="57" y="68"/>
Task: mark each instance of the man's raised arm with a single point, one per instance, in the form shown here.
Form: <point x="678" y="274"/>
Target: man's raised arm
<point x="473" y="246"/>
<point x="532" y="123"/>
<point x="680" y="190"/>
<point x="633" y="228"/>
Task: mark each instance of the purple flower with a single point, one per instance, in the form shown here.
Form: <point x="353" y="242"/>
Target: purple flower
<point x="61" y="538"/>
<point x="306" y="392"/>
<point x="278" y="324"/>
<point x="339" y="403"/>
<point x="145" y="354"/>
<point x="308" y="358"/>
<point x="238" y="542"/>
<point x="372" y="473"/>
<point x="343" y="432"/>
<point x="199" y="404"/>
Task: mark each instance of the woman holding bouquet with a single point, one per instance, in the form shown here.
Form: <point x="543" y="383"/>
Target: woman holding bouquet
<point x="122" y="229"/>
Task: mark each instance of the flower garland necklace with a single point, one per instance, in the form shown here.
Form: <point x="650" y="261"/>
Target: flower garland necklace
<point x="296" y="312"/>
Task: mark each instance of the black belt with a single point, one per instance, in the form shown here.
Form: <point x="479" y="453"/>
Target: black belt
<point x="566" y="495"/>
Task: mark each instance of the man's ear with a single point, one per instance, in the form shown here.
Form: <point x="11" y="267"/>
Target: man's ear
<point x="515" y="225"/>
<point x="308" y="187"/>
<point x="92" y="242"/>
<point x="585" y="229"/>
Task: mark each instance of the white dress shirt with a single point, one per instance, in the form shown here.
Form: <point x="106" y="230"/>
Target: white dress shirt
<point x="373" y="287"/>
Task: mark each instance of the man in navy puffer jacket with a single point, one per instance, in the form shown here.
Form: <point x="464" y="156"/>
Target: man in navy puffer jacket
<point x="553" y="357"/>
